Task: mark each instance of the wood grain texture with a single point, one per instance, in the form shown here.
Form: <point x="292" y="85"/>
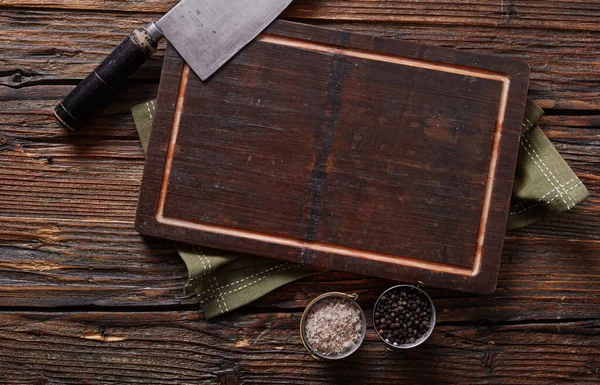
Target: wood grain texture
<point x="559" y="14"/>
<point x="39" y="48"/>
<point x="68" y="245"/>
<point x="263" y="348"/>
<point x="344" y="152"/>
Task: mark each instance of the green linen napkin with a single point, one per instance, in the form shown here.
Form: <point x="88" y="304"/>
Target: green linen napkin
<point x="224" y="281"/>
<point x="544" y="183"/>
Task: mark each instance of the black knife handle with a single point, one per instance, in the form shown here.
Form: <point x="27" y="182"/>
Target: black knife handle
<point x="95" y="90"/>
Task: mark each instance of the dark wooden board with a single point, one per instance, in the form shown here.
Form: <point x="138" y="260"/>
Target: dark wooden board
<point x="342" y="151"/>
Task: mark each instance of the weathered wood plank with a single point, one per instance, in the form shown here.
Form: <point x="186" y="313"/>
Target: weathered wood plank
<point x="90" y="263"/>
<point x="102" y="264"/>
<point x="558" y="14"/>
<point x="85" y="181"/>
<point x="179" y="348"/>
<point x="38" y="48"/>
<point x="26" y="113"/>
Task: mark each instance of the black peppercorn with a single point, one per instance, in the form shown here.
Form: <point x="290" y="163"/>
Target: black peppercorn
<point x="403" y="316"/>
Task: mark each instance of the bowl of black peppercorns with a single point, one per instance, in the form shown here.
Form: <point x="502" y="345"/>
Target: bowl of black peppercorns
<point x="404" y="316"/>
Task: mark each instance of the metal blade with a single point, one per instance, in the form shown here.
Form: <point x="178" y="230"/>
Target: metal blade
<point x="207" y="33"/>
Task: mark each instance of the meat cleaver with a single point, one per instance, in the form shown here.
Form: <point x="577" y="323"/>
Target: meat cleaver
<point x="206" y="33"/>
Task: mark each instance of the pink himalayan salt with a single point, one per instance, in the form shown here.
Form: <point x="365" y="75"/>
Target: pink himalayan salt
<point x="333" y="326"/>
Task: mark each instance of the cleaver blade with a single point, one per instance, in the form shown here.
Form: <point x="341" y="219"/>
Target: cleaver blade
<point x="207" y="33"/>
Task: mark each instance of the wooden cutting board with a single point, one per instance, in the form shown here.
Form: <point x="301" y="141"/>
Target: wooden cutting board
<point x="343" y="151"/>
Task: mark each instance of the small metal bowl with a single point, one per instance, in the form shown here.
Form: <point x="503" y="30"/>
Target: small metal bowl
<point x="347" y="297"/>
<point x="431" y="322"/>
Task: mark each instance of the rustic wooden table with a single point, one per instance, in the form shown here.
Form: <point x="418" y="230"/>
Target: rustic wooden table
<point x="85" y="299"/>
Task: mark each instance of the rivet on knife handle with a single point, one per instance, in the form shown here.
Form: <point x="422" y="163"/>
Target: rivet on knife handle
<point x="97" y="88"/>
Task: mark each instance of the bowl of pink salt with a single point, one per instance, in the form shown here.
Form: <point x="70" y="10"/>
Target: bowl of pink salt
<point x="333" y="326"/>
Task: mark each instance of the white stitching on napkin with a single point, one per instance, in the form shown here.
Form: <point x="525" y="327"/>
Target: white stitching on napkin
<point x="530" y="144"/>
<point x="274" y="270"/>
<point x="210" y="282"/>
<point x="254" y="275"/>
<point x="281" y="268"/>
<point x="249" y="277"/>
<point x="258" y="280"/>
<point x="150" y="111"/>
<point x="193" y="280"/>
<point x="203" y="258"/>
<point x="542" y="198"/>
<point x="220" y="296"/>
<point x="527" y="128"/>
<point x="542" y="170"/>
<point x="550" y="201"/>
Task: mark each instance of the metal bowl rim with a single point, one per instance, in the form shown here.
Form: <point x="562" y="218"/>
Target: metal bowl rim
<point x="348" y="297"/>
